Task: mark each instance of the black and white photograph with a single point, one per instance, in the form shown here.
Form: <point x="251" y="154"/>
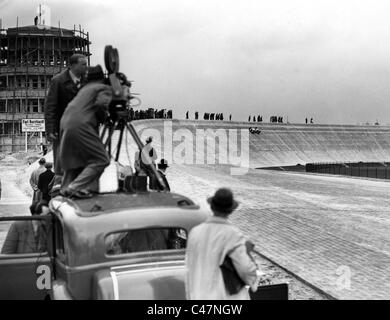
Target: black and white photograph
<point x="194" y="150"/>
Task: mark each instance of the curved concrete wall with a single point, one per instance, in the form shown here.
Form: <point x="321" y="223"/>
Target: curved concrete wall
<point x="191" y="142"/>
<point x="276" y="145"/>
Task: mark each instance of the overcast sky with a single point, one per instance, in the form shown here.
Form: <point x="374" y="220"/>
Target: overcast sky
<point x="329" y="60"/>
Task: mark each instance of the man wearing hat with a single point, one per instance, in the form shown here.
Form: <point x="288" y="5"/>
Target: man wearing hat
<point x="34" y="180"/>
<point x="162" y="168"/>
<point x="82" y="154"/>
<point x="207" y="247"/>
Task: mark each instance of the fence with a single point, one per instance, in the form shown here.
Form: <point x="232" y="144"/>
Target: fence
<point x="378" y="170"/>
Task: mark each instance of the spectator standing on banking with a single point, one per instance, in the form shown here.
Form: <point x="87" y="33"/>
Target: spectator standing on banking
<point x="208" y="245"/>
<point x="63" y="88"/>
<point x="34" y="179"/>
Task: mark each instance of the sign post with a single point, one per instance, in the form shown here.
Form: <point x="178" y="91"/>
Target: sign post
<point x="33" y="125"/>
<point x="41" y="141"/>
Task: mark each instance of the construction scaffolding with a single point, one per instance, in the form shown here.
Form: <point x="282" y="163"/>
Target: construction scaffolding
<point x="29" y="58"/>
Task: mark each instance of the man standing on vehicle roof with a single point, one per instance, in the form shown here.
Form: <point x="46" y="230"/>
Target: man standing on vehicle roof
<point x="63" y="88"/>
<point x="82" y="153"/>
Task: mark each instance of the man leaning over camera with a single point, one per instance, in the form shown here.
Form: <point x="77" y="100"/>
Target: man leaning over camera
<point x="82" y="153"/>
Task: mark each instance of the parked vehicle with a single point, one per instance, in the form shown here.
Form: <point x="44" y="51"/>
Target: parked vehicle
<point x="113" y="246"/>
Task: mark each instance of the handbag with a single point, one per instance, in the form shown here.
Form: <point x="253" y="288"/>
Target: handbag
<point x="232" y="280"/>
<point x="234" y="283"/>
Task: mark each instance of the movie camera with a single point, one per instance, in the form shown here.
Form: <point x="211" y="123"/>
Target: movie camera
<point x="120" y="110"/>
<point x="120" y="106"/>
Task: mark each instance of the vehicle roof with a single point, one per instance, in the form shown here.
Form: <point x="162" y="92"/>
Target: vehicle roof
<point x="112" y="202"/>
<point x="87" y="222"/>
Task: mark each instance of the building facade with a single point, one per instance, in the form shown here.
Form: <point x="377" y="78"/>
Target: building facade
<point x="29" y="58"/>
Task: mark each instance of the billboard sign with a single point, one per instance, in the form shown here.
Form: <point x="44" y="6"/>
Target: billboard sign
<point x="33" y="125"/>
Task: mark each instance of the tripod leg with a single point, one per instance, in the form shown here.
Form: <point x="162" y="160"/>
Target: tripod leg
<point x="105" y="128"/>
<point x="118" y="148"/>
<point x="110" y="134"/>
<point x="106" y="141"/>
<point x="135" y="136"/>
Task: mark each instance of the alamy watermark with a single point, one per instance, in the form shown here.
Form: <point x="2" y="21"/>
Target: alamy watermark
<point x="344" y="277"/>
<point x="200" y="146"/>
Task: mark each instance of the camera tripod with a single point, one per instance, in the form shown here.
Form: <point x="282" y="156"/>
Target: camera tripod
<point x="123" y="124"/>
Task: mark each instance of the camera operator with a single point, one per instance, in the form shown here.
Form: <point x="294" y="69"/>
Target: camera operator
<point x="82" y="153"/>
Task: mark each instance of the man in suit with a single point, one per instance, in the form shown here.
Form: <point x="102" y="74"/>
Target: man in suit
<point x="35" y="178"/>
<point x="63" y="88"/>
<point x="44" y="180"/>
<point x="162" y="168"/>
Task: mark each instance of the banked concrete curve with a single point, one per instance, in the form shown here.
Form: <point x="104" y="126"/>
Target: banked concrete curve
<point x="276" y="144"/>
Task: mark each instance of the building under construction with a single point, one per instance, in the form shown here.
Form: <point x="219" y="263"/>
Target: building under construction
<point x="29" y="57"/>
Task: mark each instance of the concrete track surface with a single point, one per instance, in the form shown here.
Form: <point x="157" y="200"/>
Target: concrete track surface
<point x="333" y="232"/>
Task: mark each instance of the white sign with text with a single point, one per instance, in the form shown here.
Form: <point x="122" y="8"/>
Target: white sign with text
<point x="33" y="125"/>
